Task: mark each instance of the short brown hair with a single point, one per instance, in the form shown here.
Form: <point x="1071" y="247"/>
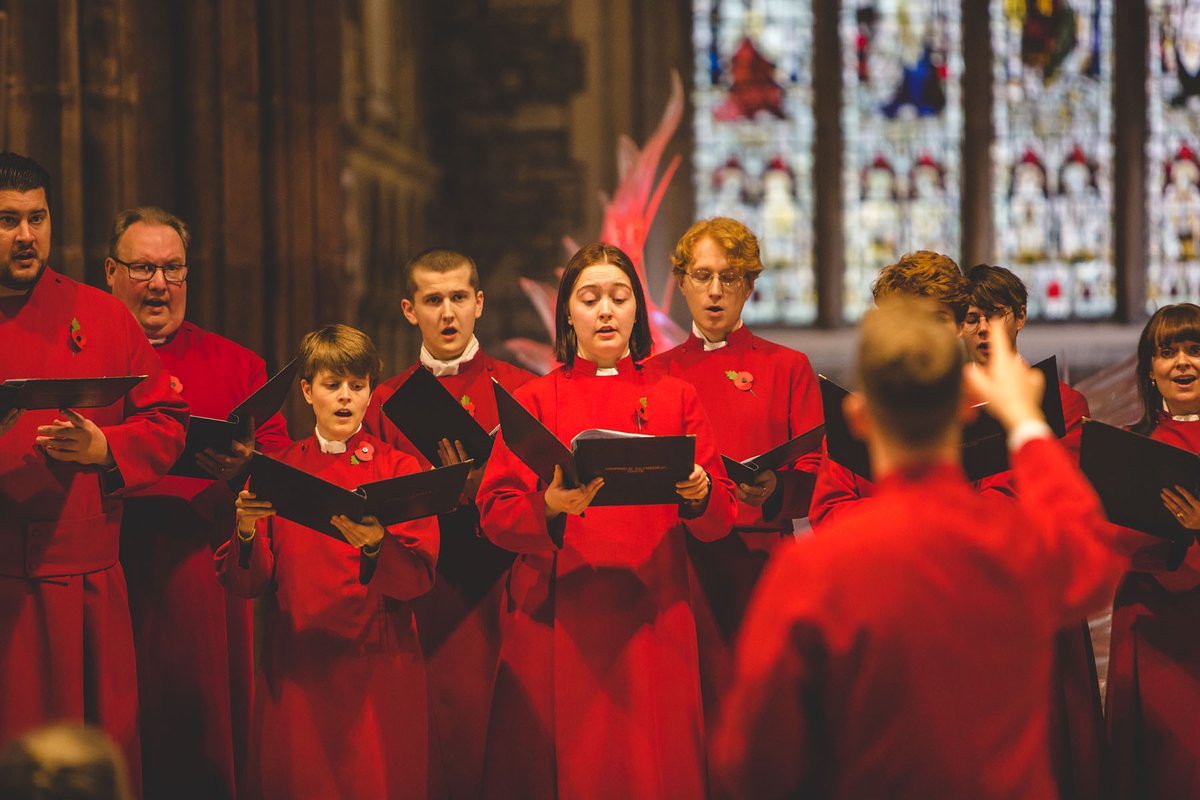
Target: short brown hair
<point x="437" y="259"/>
<point x="566" y="343"/>
<point x="149" y="214"/>
<point x="910" y="369"/>
<point x="996" y="289"/>
<point x="739" y="243"/>
<point x="924" y="273"/>
<point x="340" y="349"/>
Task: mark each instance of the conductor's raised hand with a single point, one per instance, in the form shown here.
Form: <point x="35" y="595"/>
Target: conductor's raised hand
<point x="249" y="510"/>
<point x="756" y="494"/>
<point x="570" y="501"/>
<point x="1012" y="389"/>
<point x="367" y="533"/>
<point x="695" y="487"/>
<point x="75" y="438"/>
<point x="9" y="419"/>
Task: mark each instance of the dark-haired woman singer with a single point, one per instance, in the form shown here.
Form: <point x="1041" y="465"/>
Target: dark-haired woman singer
<point x="1153" y="704"/>
<point x="598" y="691"/>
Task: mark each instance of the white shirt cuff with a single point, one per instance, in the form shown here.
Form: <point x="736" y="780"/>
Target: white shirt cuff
<point x="1026" y="431"/>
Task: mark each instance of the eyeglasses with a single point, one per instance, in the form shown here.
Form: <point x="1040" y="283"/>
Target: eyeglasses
<point x="172" y="273"/>
<point x="728" y="278"/>
<point x="994" y="317"/>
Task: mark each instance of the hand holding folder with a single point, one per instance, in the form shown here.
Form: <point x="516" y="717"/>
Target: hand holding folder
<point x="637" y="469"/>
<point x="748" y="470"/>
<point x="43" y="393"/>
<point x="220" y="434"/>
<point x="313" y="502"/>
<point x="426" y="414"/>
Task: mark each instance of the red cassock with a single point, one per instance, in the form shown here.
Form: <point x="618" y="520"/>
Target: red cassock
<point x="458" y="620"/>
<point x="66" y="650"/>
<point x="598" y="690"/>
<point x="778" y="401"/>
<point x="908" y="654"/>
<point x="193" y="639"/>
<point x="1153" y="700"/>
<point x="339" y="695"/>
<point x="1077" y="721"/>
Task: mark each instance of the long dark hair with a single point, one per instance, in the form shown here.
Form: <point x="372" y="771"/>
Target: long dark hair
<point x="566" y="344"/>
<point x="1168" y="325"/>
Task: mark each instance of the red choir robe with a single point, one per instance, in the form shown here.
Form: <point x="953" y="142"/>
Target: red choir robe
<point x="1153" y="697"/>
<point x="458" y="620"/>
<point x="598" y="690"/>
<point x="1077" y="721"/>
<point x="780" y="401"/>
<point x="909" y="653"/>
<point x="339" y="695"/>
<point x="67" y="646"/>
<point x="193" y="639"/>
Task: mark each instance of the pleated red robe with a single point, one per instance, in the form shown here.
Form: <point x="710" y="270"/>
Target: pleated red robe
<point x="598" y="691"/>
<point x="908" y="653"/>
<point x="1077" y="723"/>
<point x="339" y="696"/>
<point x="458" y="620"/>
<point x="66" y="646"/>
<point x="194" y="640"/>
<point x="782" y="401"/>
<point x="1153" y="698"/>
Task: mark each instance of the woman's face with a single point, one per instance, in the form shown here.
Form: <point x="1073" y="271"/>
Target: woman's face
<point x="1175" y="370"/>
<point x="602" y="310"/>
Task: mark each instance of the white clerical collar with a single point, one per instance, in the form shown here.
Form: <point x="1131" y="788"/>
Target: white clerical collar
<point x="157" y="342"/>
<point x="710" y="346"/>
<point x="441" y="368"/>
<point x="1180" y="417"/>
<point x="602" y="372"/>
<point x="333" y="446"/>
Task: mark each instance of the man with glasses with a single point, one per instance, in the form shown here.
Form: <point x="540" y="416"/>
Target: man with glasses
<point x="66" y="651"/>
<point x="758" y="395"/>
<point x="193" y="640"/>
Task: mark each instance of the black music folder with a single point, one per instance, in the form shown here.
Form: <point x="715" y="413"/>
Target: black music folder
<point x="42" y="393"/>
<point x="746" y="471"/>
<point x="1129" y="471"/>
<point x="638" y="470"/>
<point x="984" y="445"/>
<point x="311" y="501"/>
<point x="219" y="434"/>
<point x="426" y="413"/>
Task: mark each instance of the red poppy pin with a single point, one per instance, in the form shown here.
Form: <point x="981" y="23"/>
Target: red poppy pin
<point x="742" y="381"/>
<point x="176" y="385"/>
<point x="643" y="413"/>
<point x="363" y="451"/>
<point x="78" y="337"/>
<point x="468" y="405"/>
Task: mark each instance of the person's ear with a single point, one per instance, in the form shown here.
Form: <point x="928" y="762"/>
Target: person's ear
<point x="478" y="303"/>
<point x="858" y="417"/>
<point x="306" y="390"/>
<point x="110" y="271"/>
<point x="409" y="311"/>
<point x="1018" y="320"/>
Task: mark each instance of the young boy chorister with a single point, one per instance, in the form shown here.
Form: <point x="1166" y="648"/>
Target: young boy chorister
<point x="340" y="707"/>
<point x="458" y="620"/>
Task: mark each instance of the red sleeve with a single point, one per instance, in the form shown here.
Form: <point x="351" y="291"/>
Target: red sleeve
<point x="764" y="742"/>
<point x="257" y="575"/>
<point x="150" y="438"/>
<point x="1075" y="408"/>
<point x="796" y="481"/>
<point x="721" y="508"/>
<point x="1080" y="554"/>
<point x="837" y="489"/>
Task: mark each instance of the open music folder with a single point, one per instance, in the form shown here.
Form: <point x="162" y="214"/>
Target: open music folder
<point x="984" y="442"/>
<point x="219" y="434"/>
<point x="747" y="470"/>
<point x="43" y="393"/>
<point x="311" y="501"/>
<point x="425" y="412"/>
<point x="637" y="469"/>
<point x="1129" y="471"/>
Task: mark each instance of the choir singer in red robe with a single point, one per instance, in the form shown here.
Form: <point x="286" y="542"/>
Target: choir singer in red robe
<point x="66" y="647"/>
<point x="193" y="639"/>
<point x="339" y="700"/>
<point x="458" y="620"/>
<point x="908" y="653"/>
<point x="598" y="691"/>
<point x="768" y="394"/>
<point x="1153" y="700"/>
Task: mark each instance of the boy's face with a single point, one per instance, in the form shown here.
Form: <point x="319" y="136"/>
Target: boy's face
<point x="980" y="329"/>
<point x="445" y="307"/>
<point x="338" y="402"/>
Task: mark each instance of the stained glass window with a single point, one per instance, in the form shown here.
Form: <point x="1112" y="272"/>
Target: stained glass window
<point x="754" y="136"/>
<point x="1173" y="153"/>
<point x="1052" y="155"/>
<point x="902" y="123"/>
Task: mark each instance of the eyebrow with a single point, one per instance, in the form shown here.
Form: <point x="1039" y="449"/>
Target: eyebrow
<point x="583" y="286"/>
